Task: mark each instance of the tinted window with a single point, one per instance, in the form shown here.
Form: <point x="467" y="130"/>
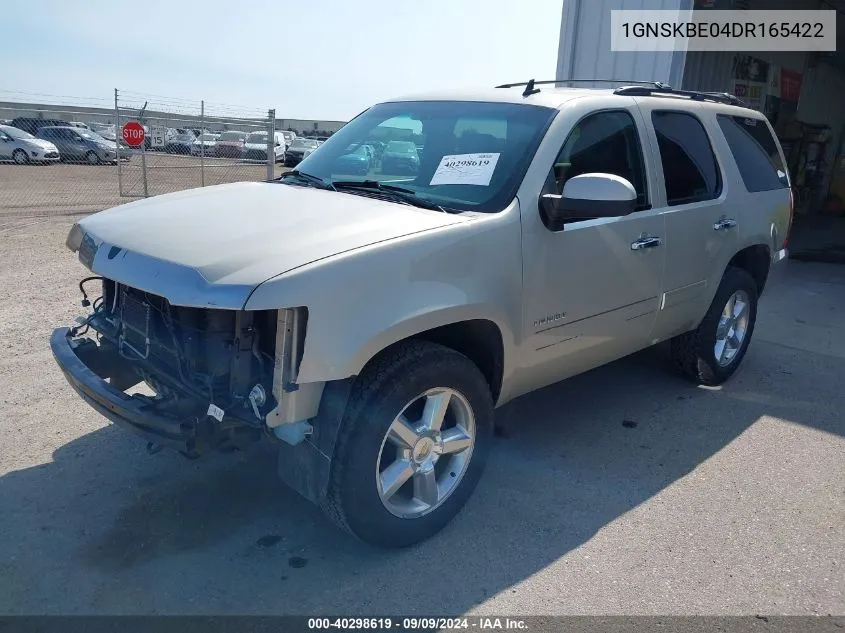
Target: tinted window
<point x="755" y="151"/>
<point x="689" y="165"/>
<point x="607" y="143"/>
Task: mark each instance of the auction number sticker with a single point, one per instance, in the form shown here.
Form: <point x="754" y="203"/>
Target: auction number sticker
<point x="465" y="169"/>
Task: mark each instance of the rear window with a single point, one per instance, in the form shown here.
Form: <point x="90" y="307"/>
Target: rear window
<point x="689" y="165"/>
<point x="755" y="152"/>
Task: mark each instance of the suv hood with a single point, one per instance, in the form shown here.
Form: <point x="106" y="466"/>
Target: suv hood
<point x="214" y="245"/>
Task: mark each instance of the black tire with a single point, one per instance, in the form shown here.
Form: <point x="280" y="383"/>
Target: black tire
<point x="92" y="155"/>
<point x="381" y="391"/>
<point x="20" y="157"/>
<point x="693" y="353"/>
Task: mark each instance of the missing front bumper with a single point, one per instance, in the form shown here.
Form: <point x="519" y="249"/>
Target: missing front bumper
<point x="87" y="366"/>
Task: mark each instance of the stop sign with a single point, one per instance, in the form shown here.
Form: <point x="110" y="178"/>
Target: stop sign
<point x="133" y="133"/>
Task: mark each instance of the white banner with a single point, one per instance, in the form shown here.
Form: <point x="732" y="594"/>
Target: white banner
<point x="714" y="30"/>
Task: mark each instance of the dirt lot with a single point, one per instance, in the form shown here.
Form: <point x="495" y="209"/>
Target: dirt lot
<point x="622" y="491"/>
<point x="62" y="188"/>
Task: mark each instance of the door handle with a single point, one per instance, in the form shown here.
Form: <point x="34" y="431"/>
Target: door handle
<point x="724" y="223"/>
<point x="646" y="242"/>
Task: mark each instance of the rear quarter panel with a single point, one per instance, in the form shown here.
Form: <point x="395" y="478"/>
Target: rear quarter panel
<point x="764" y="215"/>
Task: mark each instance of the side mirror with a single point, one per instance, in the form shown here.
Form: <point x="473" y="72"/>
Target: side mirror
<point x="590" y="196"/>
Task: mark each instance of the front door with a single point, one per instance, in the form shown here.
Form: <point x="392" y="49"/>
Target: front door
<point x="592" y="289"/>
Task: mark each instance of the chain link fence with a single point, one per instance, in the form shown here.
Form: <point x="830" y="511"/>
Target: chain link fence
<point x="70" y="158"/>
<point x="191" y="144"/>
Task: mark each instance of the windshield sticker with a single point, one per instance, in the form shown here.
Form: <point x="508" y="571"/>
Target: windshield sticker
<point x="465" y="169"/>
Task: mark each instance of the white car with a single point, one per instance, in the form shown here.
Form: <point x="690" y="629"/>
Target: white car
<point x="204" y="145"/>
<point x="22" y="147"/>
<point x="255" y="147"/>
<point x="106" y="130"/>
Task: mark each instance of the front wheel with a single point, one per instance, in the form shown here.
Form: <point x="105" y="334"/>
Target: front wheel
<point x="412" y="445"/>
<point x="711" y="353"/>
<point x="20" y="157"/>
<point x="92" y="158"/>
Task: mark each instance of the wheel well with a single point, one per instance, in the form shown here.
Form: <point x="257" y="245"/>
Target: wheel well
<point x="479" y="340"/>
<point x="755" y="260"/>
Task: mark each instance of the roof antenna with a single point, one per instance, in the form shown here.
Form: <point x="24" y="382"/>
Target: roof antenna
<point x="530" y="89"/>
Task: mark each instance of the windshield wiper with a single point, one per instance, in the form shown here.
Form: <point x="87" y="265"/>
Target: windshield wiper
<point x="404" y="194"/>
<point x="314" y="181"/>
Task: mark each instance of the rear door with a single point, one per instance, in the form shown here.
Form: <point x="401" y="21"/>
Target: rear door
<point x="701" y="225"/>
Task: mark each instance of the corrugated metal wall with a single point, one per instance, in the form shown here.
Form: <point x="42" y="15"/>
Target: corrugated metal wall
<point x="584" y="50"/>
<point x="710" y="70"/>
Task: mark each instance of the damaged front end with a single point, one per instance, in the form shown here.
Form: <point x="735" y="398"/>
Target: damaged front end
<point x="215" y="377"/>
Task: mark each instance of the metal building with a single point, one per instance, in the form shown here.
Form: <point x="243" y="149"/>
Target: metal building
<point x="802" y="93"/>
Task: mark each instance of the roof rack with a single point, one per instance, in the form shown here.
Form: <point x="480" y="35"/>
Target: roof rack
<point x="530" y="89"/>
<point x="695" y="95"/>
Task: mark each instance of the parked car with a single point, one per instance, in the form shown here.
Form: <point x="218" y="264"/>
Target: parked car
<point x="255" y="147"/>
<point x="296" y="150"/>
<point x="22" y="147"/>
<point x="289" y="136"/>
<point x="181" y="143"/>
<point x="230" y="144"/>
<point x="400" y="157"/>
<point x="369" y="328"/>
<point x="204" y="144"/>
<point x="78" y="124"/>
<point x="76" y="144"/>
<point x="357" y="161"/>
<point x="32" y="125"/>
<point x="106" y="130"/>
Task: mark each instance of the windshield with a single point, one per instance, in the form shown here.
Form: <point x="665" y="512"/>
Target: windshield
<point x="15" y="132"/>
<point x="457" y="154"/>
<point x="232" y="136"/>
<point x="207" y="137"/>
<point x="257" y="138"/>
<point x="304" y="143"/>
<point x="88" y="135"/>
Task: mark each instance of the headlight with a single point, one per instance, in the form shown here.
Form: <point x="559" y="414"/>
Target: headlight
<point x="74" y="238"/>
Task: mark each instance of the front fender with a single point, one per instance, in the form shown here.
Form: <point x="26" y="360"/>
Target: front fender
<point x="359" y="303"/>
<point x="332" y="353"/>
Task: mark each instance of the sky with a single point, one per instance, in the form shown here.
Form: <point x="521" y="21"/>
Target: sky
<point x="313" y="59"/>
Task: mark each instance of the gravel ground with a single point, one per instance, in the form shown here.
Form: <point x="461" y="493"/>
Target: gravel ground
<point x="621" y="491"/>
<point x="29" y="190"/>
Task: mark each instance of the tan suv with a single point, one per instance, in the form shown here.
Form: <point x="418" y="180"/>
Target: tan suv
<point x="370" y="324"/>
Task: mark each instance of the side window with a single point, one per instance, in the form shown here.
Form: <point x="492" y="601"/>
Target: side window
<point x="689" y="165"/>
<point x="605" y="142"/>
<point x="755" y="151"/>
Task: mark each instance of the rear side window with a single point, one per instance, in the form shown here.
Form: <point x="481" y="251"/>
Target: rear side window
<point x="689" y="165"/>
<point x="755" y="151"/>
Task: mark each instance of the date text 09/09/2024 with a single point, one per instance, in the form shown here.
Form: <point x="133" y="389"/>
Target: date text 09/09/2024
<point x="417" y="623"/>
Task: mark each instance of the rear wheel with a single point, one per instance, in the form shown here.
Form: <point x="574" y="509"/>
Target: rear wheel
<point x="20" y="157"/>
<point x="92" y="158"/>
<point x="412" y="445"/>
<point x="712" y="352"/>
